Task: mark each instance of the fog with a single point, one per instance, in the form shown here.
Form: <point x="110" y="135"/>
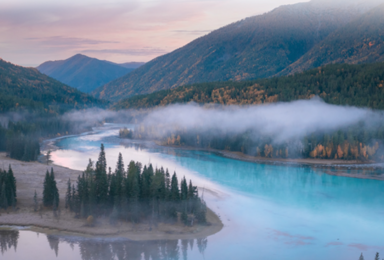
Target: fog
<point x="281" y="121"/>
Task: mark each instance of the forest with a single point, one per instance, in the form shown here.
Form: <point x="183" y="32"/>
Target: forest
<point x="21" y="139"/>
<point x="8" y="196"/>
<point x="341" y="84"/>
<point x="136" y="194"/>
<point x="354" y="143"/>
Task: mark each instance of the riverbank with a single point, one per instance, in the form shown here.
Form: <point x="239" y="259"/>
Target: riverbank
<point x="30" y="178"/>
<point x="328" y="166"/>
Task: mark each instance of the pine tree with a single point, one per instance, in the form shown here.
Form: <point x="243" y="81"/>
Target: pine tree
<point x="12" y="184"/>
<point x="361" y="257"/>
<point x="101" y="180"/>
<point x="55" y="191"/>
<point x="175" y="195"/>
<point x="377" y="257"/>
<point x="35" y="202"/>
<point x="184" y="189"/>
<point x="3" y="197"/>
<point x="68" y="196"/>
<point x="47" y="191"/>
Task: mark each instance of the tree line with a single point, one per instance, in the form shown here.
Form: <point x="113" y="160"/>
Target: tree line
<point x="356" y="142"/>
<point x="8" y="196"/>
<point x="359" y="85"/>
<point x="136" y="194"/>
<point x="21" y="139"/>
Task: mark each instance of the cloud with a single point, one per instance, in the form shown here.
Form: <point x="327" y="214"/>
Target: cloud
<point x="67" y="41"/>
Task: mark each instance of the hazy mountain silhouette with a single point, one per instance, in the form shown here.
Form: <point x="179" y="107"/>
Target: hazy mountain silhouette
<point x="256" y="47"/>
<point x="85" y="73"/>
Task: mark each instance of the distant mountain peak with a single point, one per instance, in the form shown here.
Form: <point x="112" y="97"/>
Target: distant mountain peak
<point x="83" y="72"/>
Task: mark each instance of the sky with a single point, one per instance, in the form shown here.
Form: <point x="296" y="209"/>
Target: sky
<point x="35" y="31"/>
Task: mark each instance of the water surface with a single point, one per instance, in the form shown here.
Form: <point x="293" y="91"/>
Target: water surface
<point x="269" y="211"/>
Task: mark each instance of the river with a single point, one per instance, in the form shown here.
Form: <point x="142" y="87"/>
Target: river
<point x="268" y="211"/>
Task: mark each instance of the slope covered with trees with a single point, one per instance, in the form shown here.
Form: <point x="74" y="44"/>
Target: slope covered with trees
<point x="256" y="47"/>
<point x="85" y="73"/>
<point x="342" y="84"/>
<point x="360" y="41"/>
<point x="26" y="88"/>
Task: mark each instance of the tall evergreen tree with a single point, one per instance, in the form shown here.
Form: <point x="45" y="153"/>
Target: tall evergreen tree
<point x="3" y="197"/>
<point x="55" y="191"/>
<point x="101" y="181"/>
<point x="175" y="195"/>
<point x="47" y="191"/>
<point x="68" y="196"/>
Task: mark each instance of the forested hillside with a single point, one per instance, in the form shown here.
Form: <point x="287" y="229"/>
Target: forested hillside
<point x="85" y="73"/>
<point x="26" y="88"/>
<point x="360" y="41"/>
<point x="257" y="47"/>
<point x="357" y="85"/>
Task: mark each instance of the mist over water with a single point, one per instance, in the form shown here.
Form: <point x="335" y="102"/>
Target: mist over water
<point x="281" y="121"/>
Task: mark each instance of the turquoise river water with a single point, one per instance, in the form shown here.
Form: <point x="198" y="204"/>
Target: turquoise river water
<point x="268" y="211"/>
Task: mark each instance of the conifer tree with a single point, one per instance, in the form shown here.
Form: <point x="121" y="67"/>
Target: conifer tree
<point x="35" y="202"/>
<point x="184" y="189"/>
<point x="55" y="191"/>
<point x="361" y="257"/>
<point x="175" y="196"/>
<point x="68" y="195"/>
<point x="12" y="185"/>
<point x="3" y="197"/>
<point x="377" y="256"/>
<point x="47" y="191"/>
<point x="101" y="181"/>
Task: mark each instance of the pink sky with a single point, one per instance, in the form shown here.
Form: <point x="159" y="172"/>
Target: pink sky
<point x="34" y="31"/>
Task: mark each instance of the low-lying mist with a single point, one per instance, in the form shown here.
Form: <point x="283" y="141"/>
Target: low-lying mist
<point x="280" y="121"/>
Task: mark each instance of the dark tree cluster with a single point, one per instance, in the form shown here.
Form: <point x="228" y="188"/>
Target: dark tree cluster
<point x="20" y="140"/>
<point x="357" y="142"/>
<point x="8" y="197"/>
<point x="136" y="194"/>
<point x="125" y="133"/>
<point x="50" y="192"/>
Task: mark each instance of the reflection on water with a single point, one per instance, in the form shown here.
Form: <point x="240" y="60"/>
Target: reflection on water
<point x="8" y="239"/>
<point x="105" y="249"/>
<point x="268" y="211"/>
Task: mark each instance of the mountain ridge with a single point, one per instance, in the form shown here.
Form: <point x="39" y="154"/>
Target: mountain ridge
<point x="256" y="47"/>
<point x="83" y="72"/>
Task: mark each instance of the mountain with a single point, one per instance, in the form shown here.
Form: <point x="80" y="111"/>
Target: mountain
<point x="256" y="47"/>
<point x="343" y="84"/>
<point x="27" y="88"/>
<point x="82" y="72"/>
<point x="132" y="65"/>
<point x="360" y="41"/>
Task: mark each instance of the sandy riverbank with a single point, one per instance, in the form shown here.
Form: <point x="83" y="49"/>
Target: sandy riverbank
<point x="30" y="177"/>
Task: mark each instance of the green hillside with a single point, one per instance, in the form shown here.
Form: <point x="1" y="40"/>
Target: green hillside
<point x="257" y="47"/>
<point x="26" y="88"/>
<point x="357" y="85"/>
